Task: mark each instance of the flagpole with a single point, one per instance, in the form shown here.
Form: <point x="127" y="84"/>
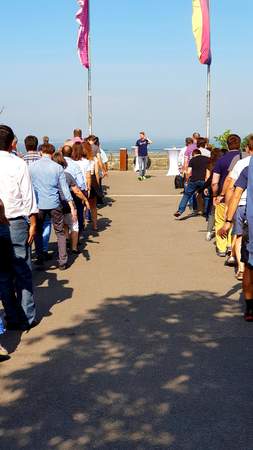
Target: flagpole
<point x="208" y="106"/>
<point x="90" y="114"/>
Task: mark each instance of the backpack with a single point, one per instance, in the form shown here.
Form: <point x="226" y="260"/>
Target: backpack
<point x="179" y="182"/>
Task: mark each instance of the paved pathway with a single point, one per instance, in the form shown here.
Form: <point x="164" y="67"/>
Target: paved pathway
<point x="141" y="346"/>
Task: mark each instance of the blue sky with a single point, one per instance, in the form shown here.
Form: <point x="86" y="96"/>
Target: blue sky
<point x="145" y="69"/>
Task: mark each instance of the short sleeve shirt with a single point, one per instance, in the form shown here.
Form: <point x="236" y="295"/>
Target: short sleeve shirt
<point x="223" y="165"/>
<point x="235" y="173"/>
<point x="142" y="147"/>
<point x="198" y="164"/>
<point x="242" y="181"/>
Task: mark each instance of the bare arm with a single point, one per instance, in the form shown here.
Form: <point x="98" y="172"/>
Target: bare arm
<point x="229" y="190"/>
<point x="188" y="174"/>
<point x="32" y="228"/>
<point x="215" y="184"/>
<point x="80" y="195"/>
<point x="208" y="174"/>
<point x="233" y="205"/>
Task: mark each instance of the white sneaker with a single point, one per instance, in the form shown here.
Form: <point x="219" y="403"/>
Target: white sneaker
<point x="209" y="236"/>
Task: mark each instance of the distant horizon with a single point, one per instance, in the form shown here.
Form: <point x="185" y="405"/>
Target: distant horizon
<point x="140" y="79"/>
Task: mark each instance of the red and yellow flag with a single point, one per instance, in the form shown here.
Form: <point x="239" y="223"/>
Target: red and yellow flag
<point x="202" y="30"/>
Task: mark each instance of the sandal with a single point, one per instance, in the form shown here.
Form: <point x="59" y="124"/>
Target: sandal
<point x="231" y="261"/>
<point x="239" y="276"/>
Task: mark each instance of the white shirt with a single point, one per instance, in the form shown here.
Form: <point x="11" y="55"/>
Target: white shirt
<point x="205" y="152"/>
<point x="181" y="157"/>
<point x="85" y="166"/>
<point x="104" y="157"/>
<point x="236" y="172"/>
<point x="16" y="190"/>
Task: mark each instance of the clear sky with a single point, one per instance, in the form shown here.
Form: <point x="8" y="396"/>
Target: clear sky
<point x="146" y="74"/>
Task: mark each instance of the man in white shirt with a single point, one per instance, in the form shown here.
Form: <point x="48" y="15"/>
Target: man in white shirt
<point x="16" y="237"/>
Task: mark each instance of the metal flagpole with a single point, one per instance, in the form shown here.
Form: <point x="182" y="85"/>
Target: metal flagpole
<point x="90" y="114"/>
<point x="208" y="105"/>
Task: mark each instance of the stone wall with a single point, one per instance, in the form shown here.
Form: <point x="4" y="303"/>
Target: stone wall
<point x="159" y="161"/>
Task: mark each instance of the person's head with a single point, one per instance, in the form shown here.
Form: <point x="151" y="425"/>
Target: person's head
<point x="195" y="137"/>
<point x="77" y="133"/>
<point x="234" y="142"/>
<point x="31" y="143"/>
<point x="188" y="141"/>
<point x="45" y="140"/>
<point x="14" y="143"/>
<point x="67" y="151"/>
<point x="96" y="141"/>
<point x="6" y="138"/>
<point x="87" y="151"/>
<point x="250" y="145"/>
<point x="91" y="139"/>
<point x="77" y="151"/>
<point x="216" y="153"/>
<point x="142" y="135"/>
<point x="201" y="142"/>
<point x="196" y="152"/>
<point x="47" y="149"/>
<point x="58" y="158"/>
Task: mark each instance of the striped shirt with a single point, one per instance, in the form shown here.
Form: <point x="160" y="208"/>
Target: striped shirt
<point x="31" y="157"/>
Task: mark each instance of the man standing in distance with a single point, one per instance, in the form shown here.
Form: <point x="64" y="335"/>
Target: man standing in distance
<point x="142" y="153"/>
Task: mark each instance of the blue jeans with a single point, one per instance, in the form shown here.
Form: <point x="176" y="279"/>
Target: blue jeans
<point x="192" y="201"/>
<point x="47" y="227"/>
<point x="16" y="286"/>
<point x="191" y="188"/>
<point x="143" y="161"/>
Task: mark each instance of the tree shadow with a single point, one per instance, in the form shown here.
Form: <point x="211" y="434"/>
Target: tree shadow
<point x="55" y="291"/>
<point x="150" y="372"/>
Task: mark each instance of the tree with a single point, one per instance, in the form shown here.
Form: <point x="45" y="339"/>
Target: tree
<point x="222" y="139"/>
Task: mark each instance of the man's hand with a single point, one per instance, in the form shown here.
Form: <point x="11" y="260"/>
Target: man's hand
<point x="32" y="229"/>
<point x="217" y="200"/>
<point x="31" y="234"/>
<point x="3" y="219"/>
<point x="223" y="232"/>
<point x="86" y="203"/>
<point x="206" y="192"/>
<point x="74" y="214"/>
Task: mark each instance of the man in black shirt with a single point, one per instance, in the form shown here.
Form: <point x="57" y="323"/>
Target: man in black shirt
<point x="195" y="179"/>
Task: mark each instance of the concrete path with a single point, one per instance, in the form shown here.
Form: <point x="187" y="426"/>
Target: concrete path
<point x="142" y="343"/>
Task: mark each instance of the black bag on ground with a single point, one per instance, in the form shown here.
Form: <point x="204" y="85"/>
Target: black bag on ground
<point x="179" y="182"/>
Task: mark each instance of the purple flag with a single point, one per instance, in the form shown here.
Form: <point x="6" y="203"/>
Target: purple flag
<point x="82" y="18"/>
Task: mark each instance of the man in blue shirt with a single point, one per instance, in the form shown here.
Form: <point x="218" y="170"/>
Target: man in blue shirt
<point x="142" y="153"/>
<point x="47" y="178"/>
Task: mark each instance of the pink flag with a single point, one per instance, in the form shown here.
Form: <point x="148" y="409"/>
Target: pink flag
<point x="82" y="18"/>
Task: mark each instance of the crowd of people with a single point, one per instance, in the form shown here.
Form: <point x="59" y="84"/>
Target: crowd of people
<point x="218" y="182"/>
<point x="41" y="189"/>
<point x="62" y="188"/>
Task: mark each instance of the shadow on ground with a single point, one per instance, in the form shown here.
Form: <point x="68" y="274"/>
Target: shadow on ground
<point x="153" y="372"/>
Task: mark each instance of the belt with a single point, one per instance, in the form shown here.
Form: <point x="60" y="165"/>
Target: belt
<point x="16" y="218"/>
